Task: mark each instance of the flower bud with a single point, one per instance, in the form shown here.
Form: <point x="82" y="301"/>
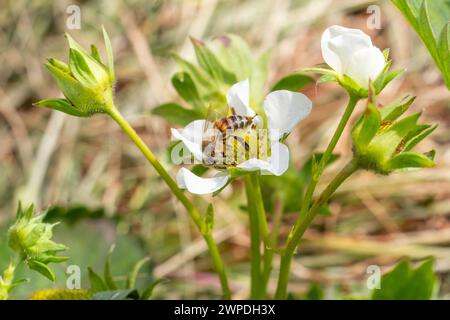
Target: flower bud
<point x="86" y="83"/>
<point x="30" y="237"/>
<point x="383" y="142"/>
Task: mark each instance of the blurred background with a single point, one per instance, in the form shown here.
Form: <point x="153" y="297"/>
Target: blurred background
<point x="96" y="182"/>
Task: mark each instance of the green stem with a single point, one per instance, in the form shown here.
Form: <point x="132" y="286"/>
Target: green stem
<point x="305" y="220"/>
<point x="264" y="230"/>
<point x="327" y="155"/>
<point x="192" y="211"/>
<point x="255" y="242"/>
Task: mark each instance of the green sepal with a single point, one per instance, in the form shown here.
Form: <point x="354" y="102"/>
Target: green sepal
<point x="62" y="105"/>
<point x="409" y="160"/>
<point x="42" y="268"/>
<point x="413" y="141"/>
<point x="392" y="112"/>
<point x="109" y="54"/>
<point x="367" y="127"/>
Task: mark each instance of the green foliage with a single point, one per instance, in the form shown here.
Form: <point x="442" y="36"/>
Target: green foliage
<point x="406" y="283"/>
<point x="382" y="142"/>
<point x="107" y="288"/>
<point x="315" y="292"/>
<point x="174" y="113"/>
<point x="62" y="294"/>
<point x="430" y="19"/>
<point x="203" y="86"/>
<point x="292" y="82"/>
<point x="31" y="238"/>
<point x="86" y="82"/>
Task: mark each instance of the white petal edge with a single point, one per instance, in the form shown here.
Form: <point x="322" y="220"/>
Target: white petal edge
<point x="198" y="185"/>
<point x="365" y="64"/>
<point x="331" y="57"/>
<point x="277" y="164"/>
<point x="191" y="136"/>
<point x="238" y="98"/>
<point x="284" y="109"/>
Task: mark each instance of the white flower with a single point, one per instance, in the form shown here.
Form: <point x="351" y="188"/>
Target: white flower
<point x="350" y="52"/>
<point x="283" y="109"/>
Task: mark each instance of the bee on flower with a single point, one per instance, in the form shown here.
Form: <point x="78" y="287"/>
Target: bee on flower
<point x="246" y="141"/>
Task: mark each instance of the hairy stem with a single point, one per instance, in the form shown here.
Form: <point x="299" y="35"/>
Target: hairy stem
<point x="305" y="220"/>
<point x="192" y="211"/>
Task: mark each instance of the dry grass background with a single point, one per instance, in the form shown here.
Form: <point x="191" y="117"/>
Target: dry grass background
<point x="53" y="159"/>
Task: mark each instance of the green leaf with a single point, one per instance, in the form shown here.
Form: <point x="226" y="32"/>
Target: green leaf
<point x="132" y="276"/>
<point x="409" y="160"/>
<point x="109" y="280"/>
<point x="149" y="291"/>
<point x="293" y="82"/>
<point x="444" y="48"/>
<point x="62" y="105"/>
<point x="116" y="295"/>
<point x="209" y="62"/>
<point x="202" y="80"/>
<point x="96" y="282"/>
<point x="428" y="18"/>
<point x="109" y="54"/>
<point x="186" y="89"/>
<point x="42" y="268"/>
<point x="235" y="55"/>
<point x="258" y="79"/>
<point x="404" y="283"/>
<point x="176" y="114"/>
<point x="315" y="292"/>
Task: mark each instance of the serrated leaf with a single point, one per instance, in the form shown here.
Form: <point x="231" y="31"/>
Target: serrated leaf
<point x="109" y="280"/>
<point x="132" y="276"/>
<point x="96" y="282"/>
<point x="186" y="89"/>
<point x="42" y="269"/>
<point x="176" y="114"/>
<point x="404" y="283"/>
<point x="293" y="82"/>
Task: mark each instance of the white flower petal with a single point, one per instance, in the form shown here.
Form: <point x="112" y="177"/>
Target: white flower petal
<point x="198" y="185"/>
<point x="284" y="109"/>
<point x="277" y="164"/>
<point x="239" y="98"/>
<point x="339" y="43"/>
<point x="191" y="136"/>
<point x="365" y="64"/>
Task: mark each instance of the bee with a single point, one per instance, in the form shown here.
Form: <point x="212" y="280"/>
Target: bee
<point x="228" y="134"/>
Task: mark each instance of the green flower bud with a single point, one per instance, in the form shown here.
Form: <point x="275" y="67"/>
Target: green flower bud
<point x="30" y="237"/>
<point x="383" y="142"/>
<point x="86" y="83"/>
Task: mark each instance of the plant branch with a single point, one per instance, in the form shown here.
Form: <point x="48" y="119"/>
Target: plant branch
<point x="192" y="211"/>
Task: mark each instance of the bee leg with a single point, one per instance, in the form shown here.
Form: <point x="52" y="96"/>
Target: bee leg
<point x="233" y="111"/>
